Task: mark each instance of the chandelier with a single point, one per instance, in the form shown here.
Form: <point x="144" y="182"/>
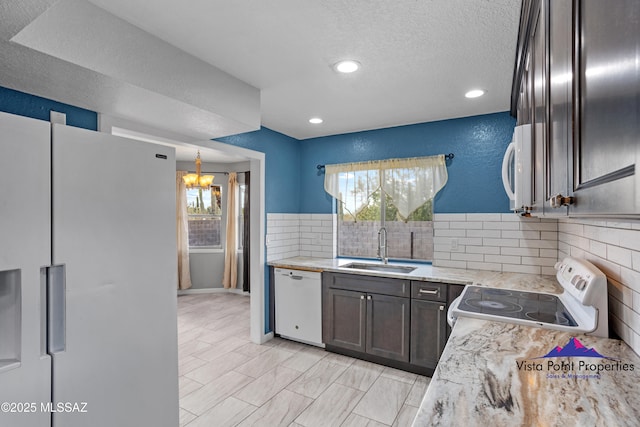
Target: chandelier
<point x="195" y="180"/>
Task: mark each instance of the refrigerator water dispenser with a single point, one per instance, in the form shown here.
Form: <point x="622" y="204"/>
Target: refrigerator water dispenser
<point x="10" y="319"/>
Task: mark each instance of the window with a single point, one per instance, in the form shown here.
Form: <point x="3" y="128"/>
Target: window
<point x="205" y="217"/>
<point x="396" y="194"/>
<point x="410" y="239"/>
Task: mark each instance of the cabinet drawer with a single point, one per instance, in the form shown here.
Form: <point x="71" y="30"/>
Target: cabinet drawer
<point x="431" y="291"/>
<point x="367" y="284"/>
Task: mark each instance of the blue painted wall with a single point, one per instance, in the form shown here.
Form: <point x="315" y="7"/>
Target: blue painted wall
<point x="24" y="104"/>
<point x="282" y="160"/>
<point x="293" y="183"/>
<point x="474" y="184"/>
<point x="282" y="186"/>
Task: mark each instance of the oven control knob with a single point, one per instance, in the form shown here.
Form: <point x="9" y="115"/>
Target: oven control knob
<point x="581" y="284"/>
<point x="575" y="279"/>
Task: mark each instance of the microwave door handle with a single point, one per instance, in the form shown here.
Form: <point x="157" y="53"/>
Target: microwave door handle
<point x="505" y="171"/>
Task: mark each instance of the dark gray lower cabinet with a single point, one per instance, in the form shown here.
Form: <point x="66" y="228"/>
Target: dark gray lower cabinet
<point x="368" y="315"/>
<point x="428" y="332"/>
<point x="395" y="322"/>
<point x="388" y="327"/>
<point x="344" y="319"/>
<point x="367" y="323"/>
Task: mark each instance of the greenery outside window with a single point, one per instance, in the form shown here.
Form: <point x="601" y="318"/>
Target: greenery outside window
<point x="396" y="194"/>
<point x="204" y="208"/>
<point x="406" y="239"/>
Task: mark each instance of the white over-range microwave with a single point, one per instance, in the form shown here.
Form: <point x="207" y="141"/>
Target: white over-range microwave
<point x="516" y="170"/>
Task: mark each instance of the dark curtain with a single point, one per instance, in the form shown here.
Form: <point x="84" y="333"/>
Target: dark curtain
<point x="246" y="237"/>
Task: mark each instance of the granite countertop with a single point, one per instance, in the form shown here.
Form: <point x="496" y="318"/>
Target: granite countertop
<point x="478" y="380"/>
<point x="426" y="272"/>
<point x="495" y="373"/>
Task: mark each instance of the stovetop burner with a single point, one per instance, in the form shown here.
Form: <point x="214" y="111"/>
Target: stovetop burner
<point x="580" y="308"/>
<point x="536" y="307"/>
<point x="495" y="305"/>
<point x="553" y="318"/>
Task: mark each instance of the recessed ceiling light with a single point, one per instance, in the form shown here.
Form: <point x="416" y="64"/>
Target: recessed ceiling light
<point x="315" y="120"/>
<point x="475" y="93"/>
<point x="348" y="66"/>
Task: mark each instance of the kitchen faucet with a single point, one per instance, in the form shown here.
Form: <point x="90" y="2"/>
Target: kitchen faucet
<point x="382" y="245"/>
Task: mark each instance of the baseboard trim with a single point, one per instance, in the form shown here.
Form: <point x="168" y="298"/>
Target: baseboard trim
<point x="212" y="291"/>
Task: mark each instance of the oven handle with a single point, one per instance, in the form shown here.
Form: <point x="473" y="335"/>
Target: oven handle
<point x="451" y="318"/>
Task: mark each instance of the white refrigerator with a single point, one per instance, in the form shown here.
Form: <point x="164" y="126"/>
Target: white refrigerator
<point x="87" y="278"/>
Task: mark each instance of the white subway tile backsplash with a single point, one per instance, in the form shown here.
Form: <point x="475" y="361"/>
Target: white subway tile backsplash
<point x="449" y="217"/>
<point x="635" y="260"/>
<point x="493" y="250"/>
<point x="495" y="241"/>
<point x="449" y="233"/>
<point x="501" y="242"/>
<point x="543" y="262"/>
<point x="519" y="234"/>
<point x="457" y="256"/>
<point x="620" y="292"/>
<point x="485" y="217"/>
<point x="540" y="244"/>
<point x="475" y="241"/>
<point x="503" y="259"/>
<point x="441" y="255"/>
<point x="614" y="247"/>
<point x="501" y="226"/>
<point x="465" y="225"/>
<point x="548" y="235"/>
<point x="484" y="266"/>
<point x="549" y="271"/>
<point x="450" y="263"/>
<point x="530" y="269"/>
<point x="538" y="226"/>
<point x="598" y="248"/>
<point x="630" y="278"/>
<point x="495" y="234"/>
<point x="630" y="239"/>
<point x="531" y="252"/>
<point x="293" y="235"/>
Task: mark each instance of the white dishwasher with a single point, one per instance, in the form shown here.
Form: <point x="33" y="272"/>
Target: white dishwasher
<point x="298" y="305"/>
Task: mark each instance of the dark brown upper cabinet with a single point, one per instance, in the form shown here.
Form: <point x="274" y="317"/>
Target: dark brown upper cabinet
<point x="577" y="81"/>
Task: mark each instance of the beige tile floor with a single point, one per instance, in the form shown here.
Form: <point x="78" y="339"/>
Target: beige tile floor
<point x="226" y="380"/>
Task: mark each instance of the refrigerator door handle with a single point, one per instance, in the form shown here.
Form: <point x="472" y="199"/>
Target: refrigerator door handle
<point x="56" y="301"/>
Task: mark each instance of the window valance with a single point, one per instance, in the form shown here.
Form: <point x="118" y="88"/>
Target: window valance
<point x="409" y="183"/>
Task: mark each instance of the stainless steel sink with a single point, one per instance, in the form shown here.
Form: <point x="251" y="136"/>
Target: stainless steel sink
<point x="380" y="267"/>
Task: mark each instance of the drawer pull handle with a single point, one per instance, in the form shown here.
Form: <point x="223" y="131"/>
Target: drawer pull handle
<point x="429" y="291"/>
<point x="361" y="296"/>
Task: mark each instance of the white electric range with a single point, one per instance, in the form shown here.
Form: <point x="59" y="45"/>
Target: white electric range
<point x="581" y="308"/>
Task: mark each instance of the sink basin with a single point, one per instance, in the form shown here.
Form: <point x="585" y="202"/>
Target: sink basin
<point x="381" y="267"/>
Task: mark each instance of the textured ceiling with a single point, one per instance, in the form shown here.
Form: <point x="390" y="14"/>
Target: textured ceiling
<point x="77" y="53"/>
<point x="418" y="59"/>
